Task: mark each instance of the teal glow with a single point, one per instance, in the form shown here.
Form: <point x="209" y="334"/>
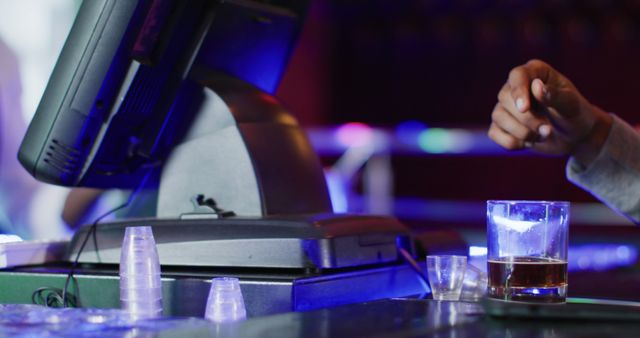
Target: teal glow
<point x="434" y="140"/>
<point x="439" y="141"/>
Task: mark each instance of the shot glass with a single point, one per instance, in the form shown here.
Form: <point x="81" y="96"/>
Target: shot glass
<point x="474" y="284"/>
<point x="527" y="250"/>
<point x="225" y="302"/>
<point x="140" y="279"/>
<point x="446" y="274"/>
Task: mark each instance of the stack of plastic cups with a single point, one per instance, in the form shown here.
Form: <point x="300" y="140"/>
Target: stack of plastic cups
<point x="225" y="303"/>
<point x="140" y="281"/>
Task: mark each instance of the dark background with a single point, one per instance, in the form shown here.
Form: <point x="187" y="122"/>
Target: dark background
<point x="442" y="62"/>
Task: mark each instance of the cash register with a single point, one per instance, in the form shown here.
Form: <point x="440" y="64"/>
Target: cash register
<point x="182" y="92"/>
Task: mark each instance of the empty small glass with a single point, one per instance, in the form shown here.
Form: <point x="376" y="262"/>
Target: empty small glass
<point x="474" y="284"/>
<point x="225" y="302"/>
<point x="446" y="274"/>
<point x="140" y="280"/>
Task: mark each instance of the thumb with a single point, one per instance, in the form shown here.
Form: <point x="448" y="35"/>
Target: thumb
<point x="541" y="92"/>
<point x="565" y="102"/>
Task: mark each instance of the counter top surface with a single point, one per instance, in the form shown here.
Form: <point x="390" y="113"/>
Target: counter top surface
<point x="422" y="318"/>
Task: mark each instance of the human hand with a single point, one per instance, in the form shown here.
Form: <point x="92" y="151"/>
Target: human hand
<point x="540" y="109"/>
<point x="78" y="205"/>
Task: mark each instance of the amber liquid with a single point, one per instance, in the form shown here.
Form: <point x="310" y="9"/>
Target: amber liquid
<point x="528" y="279"/>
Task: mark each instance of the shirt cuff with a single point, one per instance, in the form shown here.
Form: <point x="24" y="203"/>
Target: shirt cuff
<point x="614" y="176"/>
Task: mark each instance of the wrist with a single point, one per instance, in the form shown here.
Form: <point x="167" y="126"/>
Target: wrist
<point x="586" y="150"/>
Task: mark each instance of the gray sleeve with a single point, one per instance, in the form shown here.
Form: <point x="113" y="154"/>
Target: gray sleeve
<point x="614" y="177"/>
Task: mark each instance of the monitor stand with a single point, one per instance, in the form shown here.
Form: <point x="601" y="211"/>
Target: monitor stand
<point x="322" y="241"/>
<point x="245" y="189"/>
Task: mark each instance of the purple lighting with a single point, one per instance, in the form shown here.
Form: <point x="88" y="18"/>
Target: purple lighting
<point x="354" y="134"/>
<point x="411" y="137"/>
<point x="586" y="257"/>
<point x="601" y="257"/>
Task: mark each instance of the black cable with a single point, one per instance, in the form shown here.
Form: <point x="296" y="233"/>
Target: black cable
<point x="50" y="297"/>
<point x="92" y="231"/>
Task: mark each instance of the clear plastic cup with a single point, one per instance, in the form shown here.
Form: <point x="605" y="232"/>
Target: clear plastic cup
<point x="142" y="309"/>
<point x="446" y="273"/>
<point x="141" y="313"/>
<point x="143" y="305"/>
<point x="141" y="293"/>
<point x="140" y="279"/>
<point x="225" y="302"/>
<point x="145" y="281"/>
<point x="139" y="255"/>
<point x="141" y="264"/>
<point x="474" y="284"/>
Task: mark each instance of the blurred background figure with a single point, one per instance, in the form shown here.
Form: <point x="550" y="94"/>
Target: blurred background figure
<point x="31" y="35"/>
<point x="16" y="188"/>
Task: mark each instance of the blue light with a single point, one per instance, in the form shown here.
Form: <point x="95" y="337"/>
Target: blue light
<point x="408" y="132"/>
<point x="10" y="238"/>
<point x="598" y="257"/>
<point x="601" y="257"/>
<point x="520" y="226"/>
<point x="254" y="51"/>
<point x="461" y="141"/>
<point x="475" y="251"/>
<point x="623" y="252"/>
<point x="337" y="191"/>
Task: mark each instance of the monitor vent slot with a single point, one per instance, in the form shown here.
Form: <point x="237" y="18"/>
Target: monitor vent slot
<point x="62" y="157"/>
<point x="144" y="91"/>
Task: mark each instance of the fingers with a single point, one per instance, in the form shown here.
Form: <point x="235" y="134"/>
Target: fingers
<point x="539" y="82"/>
<point x="565" y="100"/>
<point x="507" y="114"/>
<point x="543" y="94"/>
<point x="508" y="129"/>
<point x="534" y="105"/>
<point x="540" y="91"/>
<point x="511" y="125"/>
<point x="504" y="139"/>
<point x="520" y="81"/>
<point x="506" y="99"/>
<point x="541" y="70"/>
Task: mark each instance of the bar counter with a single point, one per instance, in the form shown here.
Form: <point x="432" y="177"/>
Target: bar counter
<point x="421" y="318"/>
<point x="388" y="317"/>
<point x="399" y="315"/>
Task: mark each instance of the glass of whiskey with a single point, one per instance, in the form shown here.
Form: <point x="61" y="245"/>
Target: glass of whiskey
<point x="527" y="250"/>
